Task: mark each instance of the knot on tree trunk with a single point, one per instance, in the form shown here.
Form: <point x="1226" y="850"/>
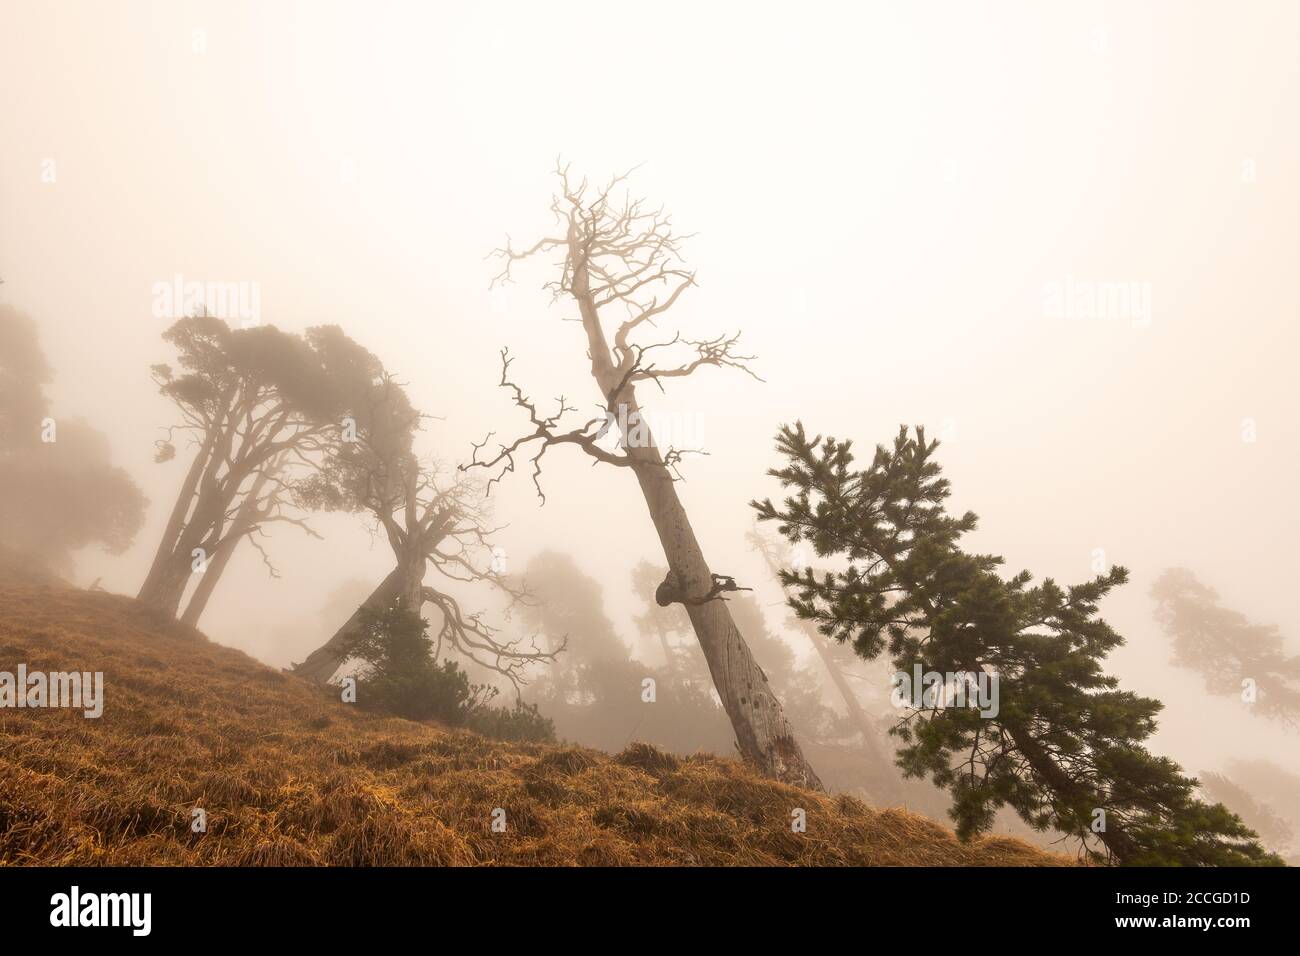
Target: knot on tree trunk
<point x="671" y="590"/>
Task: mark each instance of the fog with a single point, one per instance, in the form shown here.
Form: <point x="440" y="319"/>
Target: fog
<point x="897" y="205"/>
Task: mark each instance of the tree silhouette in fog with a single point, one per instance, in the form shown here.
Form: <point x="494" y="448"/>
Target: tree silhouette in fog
<point x="865" y="720"/>
<point x="595" y="691"/>
<point x="1234" y="657"/>
<point x="1274" y="831"/>
<point x="59" y="490"/>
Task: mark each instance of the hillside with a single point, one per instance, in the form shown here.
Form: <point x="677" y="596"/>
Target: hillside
<point x="289" y="775"/>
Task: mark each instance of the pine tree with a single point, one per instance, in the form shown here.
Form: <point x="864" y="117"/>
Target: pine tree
<point x="401" y="672"/>
<point x="1064" y="745"/>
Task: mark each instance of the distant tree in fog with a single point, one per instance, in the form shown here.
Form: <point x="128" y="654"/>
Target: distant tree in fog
<point x="1058" y="742"/>
<point x="664" y="623"/>
<point x="1271" y="783"/>
<point x="24" y="373"/>
<point x="618" y="265"/>
<point x="596" y="692"/>
<point x="569" y="611"/>
<point x="1276" y="791"/>
<point x="59" y="491"/>
<point x="829" y="652"/>
<point x="1234" y="657"/>
<point x="1274" y="832"/>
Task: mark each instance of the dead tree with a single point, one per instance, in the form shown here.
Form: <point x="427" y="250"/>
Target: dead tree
<point x="619" y="265"/>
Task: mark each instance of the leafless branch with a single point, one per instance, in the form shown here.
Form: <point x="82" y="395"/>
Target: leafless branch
<point x="543" y="437"/>
<point x="482" y="643"/>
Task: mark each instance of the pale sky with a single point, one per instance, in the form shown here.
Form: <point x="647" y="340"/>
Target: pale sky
<point x="885" y="197"/>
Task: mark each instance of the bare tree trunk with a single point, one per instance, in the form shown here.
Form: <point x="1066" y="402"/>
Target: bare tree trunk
<point x="167" y="588"/>
<point x="163" y="557"/>
<point x="412" y="585"/>
<point x="208" y="579"/>
<point x="168" y="585"/>
<point x="763" y="734"/>
<point x="322" y="663"/>
<point x="245" y="521"/>
<point x="212" y="495"/>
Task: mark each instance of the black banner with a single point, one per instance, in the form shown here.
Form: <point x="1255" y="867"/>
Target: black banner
<point x="332" y="905"/>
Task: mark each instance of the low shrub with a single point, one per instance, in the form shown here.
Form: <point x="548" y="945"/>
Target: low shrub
<point x="400" y="675"/>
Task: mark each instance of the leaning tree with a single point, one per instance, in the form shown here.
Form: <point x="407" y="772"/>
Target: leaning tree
<point x="430" y="520"/>
<point x="1062" y="745"/>
<point x="255" y="403"/>
<point x="619" y="264"/>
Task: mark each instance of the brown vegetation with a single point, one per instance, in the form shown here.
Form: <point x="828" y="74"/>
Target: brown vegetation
<point x="288" y="774"/>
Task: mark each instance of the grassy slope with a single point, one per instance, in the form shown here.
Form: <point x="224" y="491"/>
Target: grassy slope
<point x="290" y="775"/>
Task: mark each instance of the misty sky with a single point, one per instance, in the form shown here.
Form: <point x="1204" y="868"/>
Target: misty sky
<point x="887" y="198"/>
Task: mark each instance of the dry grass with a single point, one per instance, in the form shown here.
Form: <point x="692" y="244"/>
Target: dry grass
<point x="289" y="775"/>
